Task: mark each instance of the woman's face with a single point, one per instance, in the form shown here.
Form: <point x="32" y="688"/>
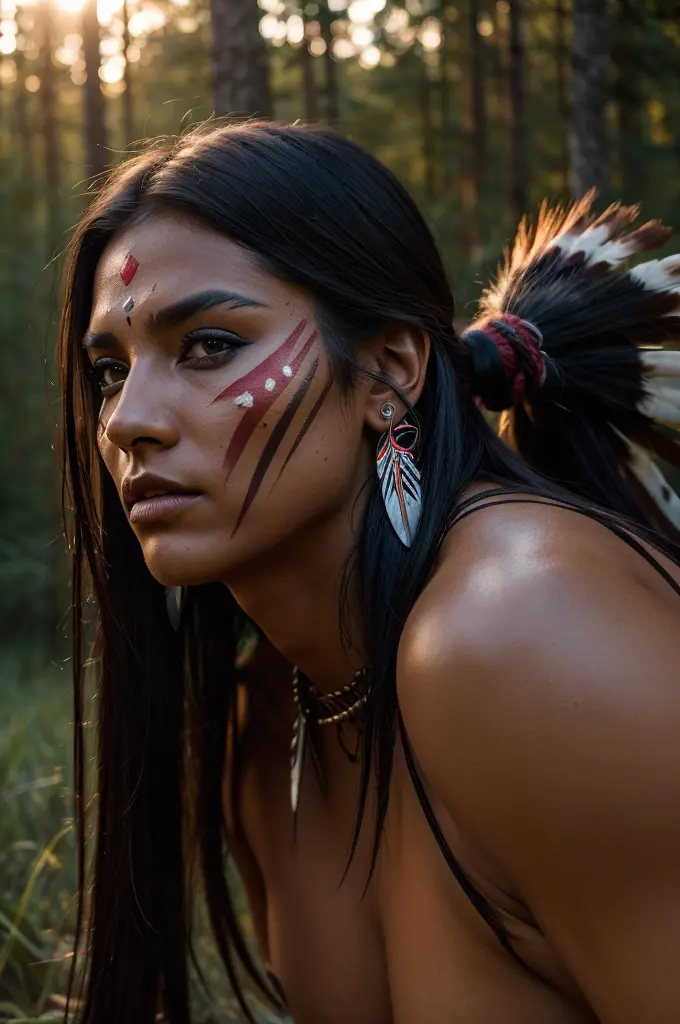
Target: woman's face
<point x="220" y="423"/>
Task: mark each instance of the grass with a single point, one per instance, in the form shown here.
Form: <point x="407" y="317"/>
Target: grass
<point x="37" y="854"/>
<point x="37" y="877"/>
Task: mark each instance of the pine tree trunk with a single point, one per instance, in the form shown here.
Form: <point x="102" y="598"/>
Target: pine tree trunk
<point x="591" y="48"/>
<point x="629" y="100"/>
<point x="427" y="128"/>
<point x="330" y="87"/>
<point x="477" y="101"/>
<point x="561" y="74"/>
<point x="48" y="98"/>
<point x="517" y="107"/>
<point x="21" y="122"/>
<point x="444" y="90"/>
<point x="50" y="127"/>
<point x="240" y="64"/>
<point x="96" y="154"/>
<point x="128" y="118"/>
<point x="309" y="89"/>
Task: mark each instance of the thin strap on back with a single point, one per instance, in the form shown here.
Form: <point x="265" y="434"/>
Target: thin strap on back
<point x="616" y="525"/>
<point x="477" y="898"/>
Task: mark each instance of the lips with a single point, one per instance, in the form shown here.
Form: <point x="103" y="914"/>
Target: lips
<point x="148" y="497"/>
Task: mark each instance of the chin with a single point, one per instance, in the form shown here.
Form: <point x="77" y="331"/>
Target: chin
<point x="181" y="561"/>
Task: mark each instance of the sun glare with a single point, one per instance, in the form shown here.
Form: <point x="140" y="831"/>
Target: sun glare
<point x="70" y="6"/>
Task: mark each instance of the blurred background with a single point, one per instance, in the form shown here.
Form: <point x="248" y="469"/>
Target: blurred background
<point x="482" y="107"/>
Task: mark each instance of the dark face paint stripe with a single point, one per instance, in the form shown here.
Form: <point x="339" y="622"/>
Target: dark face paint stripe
<point x="307" y="424"/>
<point x="275" y="439"/>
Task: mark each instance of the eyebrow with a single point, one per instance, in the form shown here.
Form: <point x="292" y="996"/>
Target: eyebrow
<point x="177" y="313"/>
<point x="98" y="339"/>
<point x="180" y="311"/>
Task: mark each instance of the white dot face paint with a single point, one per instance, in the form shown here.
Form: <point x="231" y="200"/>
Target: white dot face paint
<point x="287" y="372"/>
<point x="246" y="399"/>
<point x="270" y="384"/>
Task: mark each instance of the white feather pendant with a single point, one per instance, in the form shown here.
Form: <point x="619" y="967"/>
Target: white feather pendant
<point x="174" y="603"/>
<point x="297" y="758"/>
<point x="649" y="476"/>
<point x="400" y="481"/>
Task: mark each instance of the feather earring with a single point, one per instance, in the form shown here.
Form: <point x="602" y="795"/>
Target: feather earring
<point x="399" y="475"/>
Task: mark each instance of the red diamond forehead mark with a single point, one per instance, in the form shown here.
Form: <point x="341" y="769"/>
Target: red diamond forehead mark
<point x="129" y="269"/>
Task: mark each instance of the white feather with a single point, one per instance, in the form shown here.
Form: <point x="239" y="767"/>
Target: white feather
<point x="590" y="241"/>
<point x="648" y="474"/>
<point x="659" y="275"/>
<point x="665" y="389"/>
<point x="662" y="408"/>
<point x="564" y="242"/>
<point x="660" y="362"/>
<point x="613" y="253"/>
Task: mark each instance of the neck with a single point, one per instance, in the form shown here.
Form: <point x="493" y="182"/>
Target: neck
<point x="295" y="595"/>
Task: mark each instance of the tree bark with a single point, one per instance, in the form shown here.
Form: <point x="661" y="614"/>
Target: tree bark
<point x="21" y="121"/>
<point x="562" y="97"/>
<point x="477" y="101"/>
<point x="427" y="129"/>
<point x="128" y="117"/>
<point x="518" y="143"/>
<point x="309" y="91"/>
<point x="50" y="128"/>
<point x="96" y="155"/>
<point x="629" y="99"/>
<point x="330" y="86"/>
<point x="48" y="117"/>
<point x="588" y="143"/>
<point x="240" y="64"/>
<point x="444" y="91"/>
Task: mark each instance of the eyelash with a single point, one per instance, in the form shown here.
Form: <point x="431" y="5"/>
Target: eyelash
<point x="232" y="343"/>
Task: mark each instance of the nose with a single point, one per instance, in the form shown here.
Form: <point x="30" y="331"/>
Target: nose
<point x="143" y="413"/>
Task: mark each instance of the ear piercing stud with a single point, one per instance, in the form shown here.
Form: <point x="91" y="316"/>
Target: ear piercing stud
<point x="387" y="411"/>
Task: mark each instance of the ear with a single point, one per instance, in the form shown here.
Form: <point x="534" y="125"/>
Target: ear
<point x="399" y="353"/>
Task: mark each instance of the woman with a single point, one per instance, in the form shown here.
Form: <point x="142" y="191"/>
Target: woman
<point x="299" y="525"/>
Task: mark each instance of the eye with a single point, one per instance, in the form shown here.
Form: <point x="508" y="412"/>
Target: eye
<point x="108" y="375"/>
<point x="209" y="347"/>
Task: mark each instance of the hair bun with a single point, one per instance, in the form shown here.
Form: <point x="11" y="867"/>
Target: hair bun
<point x="506" y="361"/>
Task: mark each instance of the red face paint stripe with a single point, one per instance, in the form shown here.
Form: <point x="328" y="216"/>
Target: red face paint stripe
<point x="269" y="367"/>
<point x="129" y="269"/>
<point x="262" y="401"/>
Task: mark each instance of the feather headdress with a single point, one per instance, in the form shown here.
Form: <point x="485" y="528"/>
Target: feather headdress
<point x="610" y="404"/>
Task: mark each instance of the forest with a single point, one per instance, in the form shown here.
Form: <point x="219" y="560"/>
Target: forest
<point x="482" y="107"/>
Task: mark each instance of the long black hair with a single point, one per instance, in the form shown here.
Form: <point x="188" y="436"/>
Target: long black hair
<point x="317" y="210"/>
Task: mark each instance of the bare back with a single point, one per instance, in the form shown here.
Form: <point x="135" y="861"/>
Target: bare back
<point x="414" y="948"/>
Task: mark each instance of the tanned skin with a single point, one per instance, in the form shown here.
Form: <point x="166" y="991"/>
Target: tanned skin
<point x="538" y="673"/>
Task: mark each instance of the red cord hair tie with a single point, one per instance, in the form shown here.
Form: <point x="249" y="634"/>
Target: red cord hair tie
<point x="525" y="376"/>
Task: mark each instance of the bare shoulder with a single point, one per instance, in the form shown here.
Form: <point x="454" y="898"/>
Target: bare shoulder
<point x="539" y="682"/>
<point x="541" y="643"/>
<point x="527" y="574"/>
